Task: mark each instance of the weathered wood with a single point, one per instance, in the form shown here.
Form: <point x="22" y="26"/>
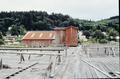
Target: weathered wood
<point x="52" y="73"/>
<point x="113" y="52"/>
<point x="51" y="67"/>
<point x="119" y="61"/>
<point x="22" y="58"/>
<point x="1" y="65"/>
<point x="59" y="58"/>
<point x="8" y="77"/>
<point x="105" y="50"/>
<point x="102" y="47"/>
<point x="65" y="52"/>
<point x="98" y="69"/>
<point x="29" y="57"/>
<point x="32" y="53"/>
<point x="37" y="49"/>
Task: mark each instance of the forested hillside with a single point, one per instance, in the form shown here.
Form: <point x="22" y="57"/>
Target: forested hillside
<point x="32" y="20"/>
<point x="17" y="23"/>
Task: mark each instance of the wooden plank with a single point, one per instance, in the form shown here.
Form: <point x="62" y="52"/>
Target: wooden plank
<point x="32" y="53"/>
<point x="98" y="69"/>
<point x="88" y="72"/>
<point x="21" y="70"/>
<point x="39" y="49"/>
<point x="6" y="72"/>
<point x="93" y="73"/>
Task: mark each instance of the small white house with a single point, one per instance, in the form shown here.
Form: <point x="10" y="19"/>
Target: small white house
<point x="81" y="36"/>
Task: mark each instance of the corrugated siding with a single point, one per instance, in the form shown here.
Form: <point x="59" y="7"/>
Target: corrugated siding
<point x="71" y="37"/>
<point x="39" y="35"/>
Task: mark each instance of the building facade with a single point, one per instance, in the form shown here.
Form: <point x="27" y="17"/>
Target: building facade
<point x="60" y="36"/>
<point x="38" y="38"/>
<point x="71" y="38"/>
<point x="65" y="36"/>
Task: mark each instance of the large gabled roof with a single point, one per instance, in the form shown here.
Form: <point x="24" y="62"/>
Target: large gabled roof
<point x="36" y="35"/>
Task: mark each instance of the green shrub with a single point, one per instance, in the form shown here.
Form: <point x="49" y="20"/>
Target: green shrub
<point x="103" y="41"/>
<point x="1" y="42"/>
<point x="80" y="41"/>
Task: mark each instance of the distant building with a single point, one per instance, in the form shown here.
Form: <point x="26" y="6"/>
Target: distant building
<point x="38" y="38"/>
<point x="81" y="36"/>
<point x="117" y="38"/>
<point x="10" y="39"/>
<point x="59" y="36"/>
<point x="65" y="36"/>
<point x="71" y="38"/>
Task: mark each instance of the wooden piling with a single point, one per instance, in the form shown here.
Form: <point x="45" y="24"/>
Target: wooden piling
<point x="53" y="64"/>
<point x="65" y="52"/>
<point x="105" y="50"/>
<point x="21" y="58"/>
<point x="113" y="52"/>
<point x="29" y="57"/>
<point x="1" y="64"/>
<point x="59" y="58"/>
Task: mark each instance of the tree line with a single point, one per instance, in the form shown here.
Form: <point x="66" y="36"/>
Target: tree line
<point x="17" y="23"/>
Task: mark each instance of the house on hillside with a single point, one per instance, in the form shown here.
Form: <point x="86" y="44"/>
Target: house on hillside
<point x="10" y="39"/>
<point x="64" y="36"/>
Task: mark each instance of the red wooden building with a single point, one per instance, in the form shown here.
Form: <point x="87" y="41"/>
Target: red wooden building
<point x="71" y="38"/>
<point x="59" y="36"/>
<point x="38" y="38"/>
<point x="65" y="36"/>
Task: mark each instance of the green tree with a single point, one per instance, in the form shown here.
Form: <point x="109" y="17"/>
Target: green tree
<point x="1" y="36"/>
<point x="22" y="30"/>
<point x="112" y="32"/>
<point x="1" y="42"/>
<point x="17" y="30"/>
<point x="103" y="41"/>
<point x="87" y="33"/>
<point x="64" y="24"/>
<point x="99" y="35"/>
<point x="14" y="30"/>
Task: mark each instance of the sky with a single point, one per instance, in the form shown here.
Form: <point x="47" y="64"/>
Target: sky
<point x="82" y="9"/>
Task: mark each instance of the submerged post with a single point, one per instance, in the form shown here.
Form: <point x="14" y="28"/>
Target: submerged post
<point x="21" y="57"/>
<point x="1" y="65"/>
<point x="51" y="67"/>
<point x="113" y="52"/>
<point x="29" y="57"/>
<point x="119" y="61"/>
<point x="105" y="50"/>
<point x="66" y="52"/>
<point x="59" y="58"/>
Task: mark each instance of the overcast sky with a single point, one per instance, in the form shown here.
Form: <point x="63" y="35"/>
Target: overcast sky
<point x="83" y="9"/>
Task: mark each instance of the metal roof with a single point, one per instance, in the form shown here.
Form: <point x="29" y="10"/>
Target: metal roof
<point x="39" y="35"/>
